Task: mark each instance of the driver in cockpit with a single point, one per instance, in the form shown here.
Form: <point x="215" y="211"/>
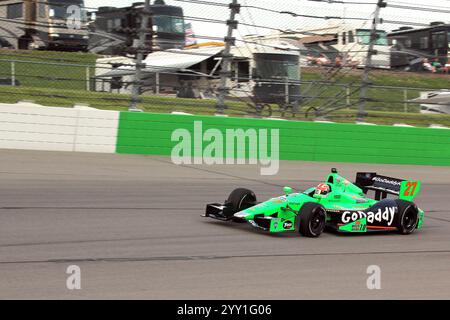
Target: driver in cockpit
<point x="322" y="190"/>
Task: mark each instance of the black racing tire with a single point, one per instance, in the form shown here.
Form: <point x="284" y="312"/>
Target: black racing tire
<point x="311" y="220"/>
<point x="241" y="199"/>
<point x="407" y="217"/>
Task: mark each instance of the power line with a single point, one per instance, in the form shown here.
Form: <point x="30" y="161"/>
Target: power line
<point x="422" y="9"/>
<point x="209" y="3"/>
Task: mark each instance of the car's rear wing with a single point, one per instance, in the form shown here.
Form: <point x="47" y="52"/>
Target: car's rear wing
<point x="382" y="185"/>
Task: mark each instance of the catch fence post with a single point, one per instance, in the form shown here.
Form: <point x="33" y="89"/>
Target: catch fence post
<point x="13" y="73"/>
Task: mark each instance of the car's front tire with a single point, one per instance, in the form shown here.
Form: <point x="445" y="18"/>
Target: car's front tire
<point x="241" y="199"/>
<point x="311" y="220"/>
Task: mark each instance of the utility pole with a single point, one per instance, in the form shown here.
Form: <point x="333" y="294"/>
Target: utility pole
<point x="365" y="80"/>
<point x="227" y="57"/>
<point x="140" y="50"/>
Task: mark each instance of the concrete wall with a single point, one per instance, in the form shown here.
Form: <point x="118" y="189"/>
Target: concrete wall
<point x="33" y="127"/>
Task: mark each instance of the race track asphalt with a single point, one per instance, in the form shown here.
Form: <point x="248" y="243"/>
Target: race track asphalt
<point x="133" y="226"/>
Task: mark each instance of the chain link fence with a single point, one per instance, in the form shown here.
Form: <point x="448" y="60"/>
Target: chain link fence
<point x="66" y="84"/>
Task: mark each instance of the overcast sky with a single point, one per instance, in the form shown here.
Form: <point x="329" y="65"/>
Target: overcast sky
<point x="258" y="17"/>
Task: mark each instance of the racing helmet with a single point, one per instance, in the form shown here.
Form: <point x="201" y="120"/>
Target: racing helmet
<point x="322" y="189"/>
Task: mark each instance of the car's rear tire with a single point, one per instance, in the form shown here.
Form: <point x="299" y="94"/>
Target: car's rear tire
<point x="407" y="217"/>
<point x="311" y="220"/>
<point x="241" y="199"/>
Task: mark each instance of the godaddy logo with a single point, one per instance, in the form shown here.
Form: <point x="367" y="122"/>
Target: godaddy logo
<point x="231" y="146"/>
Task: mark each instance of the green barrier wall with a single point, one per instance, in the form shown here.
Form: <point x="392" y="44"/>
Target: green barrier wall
<point x="146" y="133"/>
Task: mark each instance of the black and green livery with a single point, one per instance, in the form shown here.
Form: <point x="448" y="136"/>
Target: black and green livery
<point x="346" y="208"/>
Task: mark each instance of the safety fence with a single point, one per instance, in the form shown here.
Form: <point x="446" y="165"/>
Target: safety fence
<point x="69" y="79"/>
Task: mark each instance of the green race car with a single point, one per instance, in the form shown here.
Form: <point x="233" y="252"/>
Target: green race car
<point x="336" y="204"/>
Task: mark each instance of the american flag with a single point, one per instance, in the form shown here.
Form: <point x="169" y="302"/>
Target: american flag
<point x="190" y="36"/>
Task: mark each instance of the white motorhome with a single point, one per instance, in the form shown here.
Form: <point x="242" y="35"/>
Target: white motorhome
<point x="43" y="24"/>
<point x="354" y="43"/>
<point x="348" y="40"/>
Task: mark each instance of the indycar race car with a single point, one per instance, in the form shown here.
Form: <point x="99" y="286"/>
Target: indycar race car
<point x="337" y="204"/>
